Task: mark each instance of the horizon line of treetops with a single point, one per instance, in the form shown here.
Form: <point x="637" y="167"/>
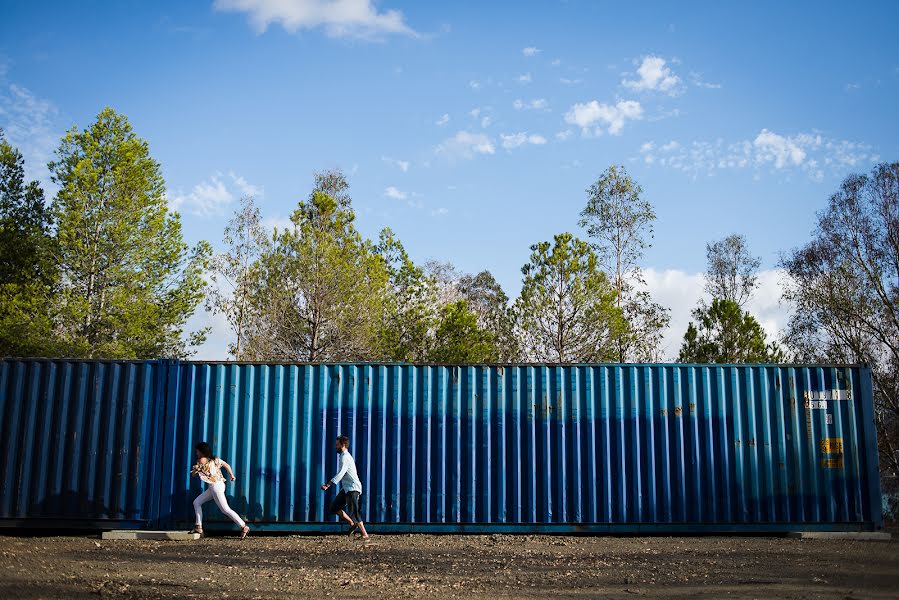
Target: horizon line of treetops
<point x="103" y="271"/>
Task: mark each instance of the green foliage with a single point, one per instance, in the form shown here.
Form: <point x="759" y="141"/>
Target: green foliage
<point x="621" y="222"/>
<point x="459" y="339"/>
<point x="489" y="302"/>
<point x="27" y="270"/>
<point x="233" y="273"/>
<point x="731" y="273"/>
<point x="724" y="333"/>
<point x="319" y="292"/>
<point x="844" y="289"/>
<point x="620" y="219"/>
<point x="409" y="304"/>
<point x="26" y="243"/>
<point x="566" y="311"/>
<point x="129" y="282"/>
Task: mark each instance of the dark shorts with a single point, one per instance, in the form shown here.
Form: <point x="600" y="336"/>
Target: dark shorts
<point x="349" y="502"/>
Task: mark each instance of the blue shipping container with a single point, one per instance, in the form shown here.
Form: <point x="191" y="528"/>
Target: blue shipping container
<point x="79" y="442"/>
<point x="555" y="448"/>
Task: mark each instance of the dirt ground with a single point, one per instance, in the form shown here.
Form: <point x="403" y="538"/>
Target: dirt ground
<point x="448" y="566"/>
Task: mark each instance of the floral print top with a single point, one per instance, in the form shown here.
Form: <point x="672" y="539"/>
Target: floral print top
<point x="210" y="471"/>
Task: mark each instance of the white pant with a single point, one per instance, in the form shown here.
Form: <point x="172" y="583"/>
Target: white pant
<point x="216" y="491"/>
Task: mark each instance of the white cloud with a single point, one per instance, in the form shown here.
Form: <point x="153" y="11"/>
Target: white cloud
<point x="279" y="223"/>
<point x="30" y="124"/>
<point x="778" y="149"/>
<point x="556" y="62"/>
<point x="439" y="212"/>
<point x="526" y="78"/>
<point x="670" y="146"/>
<point x="514" y="140"/>
<point x="697" y="80"/>
<point x="810" y="153"/>
<point x="530" y="51"/>
<point x="564" y="135"/>
<point x="465" y="145"/>
<point x="654" y="74"/>
<point x="566" y="81"/>
<point x="485" y="120"/>
<point x="402" y="165"/>
<point x="392" y="192"/>
<point x="681" y="292"/>
<point x="535" y="104"/>
<point x="443" y="120"/>
<point x="217" y="340"/>
<point x="213" y="197"/>
<point x="851" y="87"/>
<point x="246" y="188"/>
<point x="474" y="84"/>
<point x="339" y="18"/>
<point x="599" y="117"/>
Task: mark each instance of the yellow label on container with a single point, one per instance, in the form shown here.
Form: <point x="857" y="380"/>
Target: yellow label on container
<point x="832" y="445"/>
<point x="832" y="463"/>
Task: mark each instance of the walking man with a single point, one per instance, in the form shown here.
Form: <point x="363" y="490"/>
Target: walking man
<point x="346" y="503"/>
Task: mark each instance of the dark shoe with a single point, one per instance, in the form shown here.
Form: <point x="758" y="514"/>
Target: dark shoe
<point x="352" y="529"/>
<point x="197" y="529"/>
<point x="244" y="532"/>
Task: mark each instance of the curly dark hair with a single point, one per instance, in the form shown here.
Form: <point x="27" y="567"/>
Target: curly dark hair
<point x="205" y="451"/>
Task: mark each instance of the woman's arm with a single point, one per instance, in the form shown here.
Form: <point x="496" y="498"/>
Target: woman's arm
<point x="227" y="467"/>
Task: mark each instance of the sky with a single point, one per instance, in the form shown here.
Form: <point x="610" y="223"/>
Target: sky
<point x="473" y="129"/>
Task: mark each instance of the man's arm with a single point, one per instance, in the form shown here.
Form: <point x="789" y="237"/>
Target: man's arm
<point x="339" y="476"/>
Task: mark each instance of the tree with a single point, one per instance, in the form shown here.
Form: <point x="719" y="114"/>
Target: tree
<point x="726" y="334"/>
<point x="732" y="270"/>
<point x="333" y="183"/>
<point x="409" y="304"/>
<point x="25" y="223"/>
<point x="459" y="339"/>
<point x="567" y="309"/>
<point x="232" y="272"/>
<point x="486" y="298"/>
<point x="128" y="282"/>
<point x="320" y="291"/>
<point x="621" y="222"/>
<point x="445" y="278"/>
<point x="844" y="289"/>
<point x="27" y="270"/>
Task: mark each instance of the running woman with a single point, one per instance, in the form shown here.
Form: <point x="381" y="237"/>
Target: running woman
<point x="347" y="499"/>
<point x="209" y="469"/>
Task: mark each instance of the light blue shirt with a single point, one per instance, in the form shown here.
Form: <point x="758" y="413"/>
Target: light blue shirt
<point x="346" y="473"/>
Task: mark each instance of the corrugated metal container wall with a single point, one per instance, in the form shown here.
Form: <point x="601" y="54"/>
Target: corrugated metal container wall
<point x="551" y="448"/>
<point x="78" y="442"/>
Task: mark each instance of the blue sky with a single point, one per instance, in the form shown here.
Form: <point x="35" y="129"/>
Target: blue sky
<point x="473" y="129"/>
